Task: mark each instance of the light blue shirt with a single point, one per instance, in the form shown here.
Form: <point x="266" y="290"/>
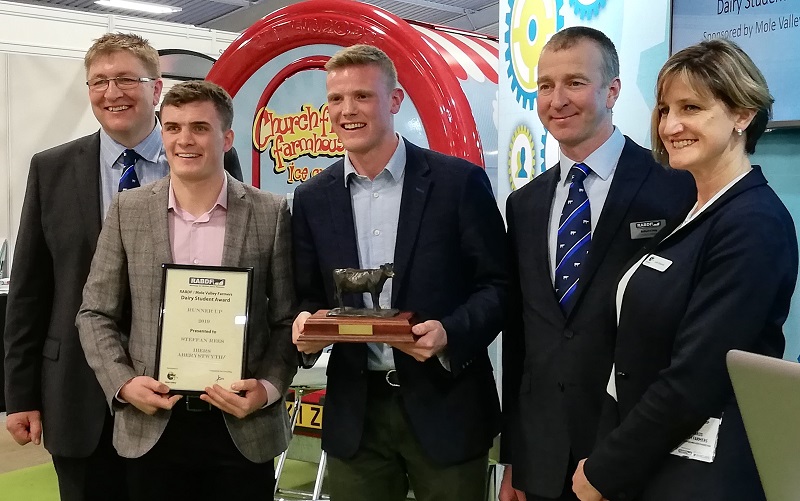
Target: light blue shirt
<point x="376" y="214"/>
<point x="603" y="163"/>
<point x="151" y="167"/>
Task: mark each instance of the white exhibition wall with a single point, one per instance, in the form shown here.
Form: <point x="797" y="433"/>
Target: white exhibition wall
<point x="43" y="97"/>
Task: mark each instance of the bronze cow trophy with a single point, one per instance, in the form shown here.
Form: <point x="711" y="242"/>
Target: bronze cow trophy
<point x="358" y="281"/>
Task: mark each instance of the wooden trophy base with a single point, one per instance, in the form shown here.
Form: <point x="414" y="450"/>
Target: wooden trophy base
<point x="340" y="329"/>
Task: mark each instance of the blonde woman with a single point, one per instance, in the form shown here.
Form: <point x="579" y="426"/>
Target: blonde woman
<point x="720" y="279"/>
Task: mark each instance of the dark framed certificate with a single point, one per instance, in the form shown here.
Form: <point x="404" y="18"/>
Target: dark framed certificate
<point x="202" y="328"/>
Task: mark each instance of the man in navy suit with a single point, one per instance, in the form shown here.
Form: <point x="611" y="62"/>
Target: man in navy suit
<point x="558" y="341"/>
<point x="425" y="413"/>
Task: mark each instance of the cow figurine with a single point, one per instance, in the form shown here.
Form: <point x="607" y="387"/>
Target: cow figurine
<point x="356" y="281"/>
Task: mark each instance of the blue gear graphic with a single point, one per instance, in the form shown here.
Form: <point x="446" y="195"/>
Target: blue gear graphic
<point x="542" y="26"/>
<point x="587" y="11"/>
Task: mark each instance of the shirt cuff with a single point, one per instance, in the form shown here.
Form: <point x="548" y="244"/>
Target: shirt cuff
<point x="273" y="395"/>
<point x="117" y="397"/>
<point x="444" y="360"/>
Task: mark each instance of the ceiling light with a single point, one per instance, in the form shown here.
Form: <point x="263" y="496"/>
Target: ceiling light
<point x="140" y="6"/>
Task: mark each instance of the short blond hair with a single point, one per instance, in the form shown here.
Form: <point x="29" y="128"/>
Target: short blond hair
<point x="722" y="70"/>
<point x="124" y="42"/>
<point x="361" y="55"/>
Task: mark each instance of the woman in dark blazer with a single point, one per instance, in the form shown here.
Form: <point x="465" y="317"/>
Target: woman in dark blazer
<point x="721" y="279"/>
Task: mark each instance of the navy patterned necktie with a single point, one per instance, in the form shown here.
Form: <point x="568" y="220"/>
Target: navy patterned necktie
<point x="129" y="178"/>
<point x="574" y="238"/>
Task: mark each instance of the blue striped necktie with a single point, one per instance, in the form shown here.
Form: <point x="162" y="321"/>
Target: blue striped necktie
<point x="129" y="178"/>
<point x="574" y="238"/>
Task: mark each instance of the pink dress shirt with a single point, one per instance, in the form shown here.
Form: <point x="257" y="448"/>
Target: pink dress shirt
<point x="200" y="240"/>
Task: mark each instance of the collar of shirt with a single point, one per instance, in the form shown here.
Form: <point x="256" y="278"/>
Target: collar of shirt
<point x="151" y="167"/>
<point x="222" y="201"/>
<point x="396" y="165"/>
<point x="601" y="161"/>
<point x="150" y="148"/>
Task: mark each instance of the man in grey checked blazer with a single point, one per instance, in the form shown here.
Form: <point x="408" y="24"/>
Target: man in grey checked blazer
<point x="228" y="439"/>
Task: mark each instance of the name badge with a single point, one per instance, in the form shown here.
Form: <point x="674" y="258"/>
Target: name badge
<point x="646" y="229"/>
<point x="702" y="446"/>
<point x="657" y="263"/>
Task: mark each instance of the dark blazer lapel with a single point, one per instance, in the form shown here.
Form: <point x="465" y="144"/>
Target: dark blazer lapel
<point x="159" y="223"/>
<point x="236" y="223"/>
<point x="344" y="234"/>
<point x="537" y="205"/>
<point x="86" y="172"/>
<point x="344" y="231"/>
<point x="751" y="180"/>
<point x="628" y="178"/>
<point x="341" y="210"/>
<point x="416" y="188"/>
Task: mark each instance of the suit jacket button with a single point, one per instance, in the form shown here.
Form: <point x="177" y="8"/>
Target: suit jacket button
<point x="561" y="387"/>
<point x="568" y="334"/>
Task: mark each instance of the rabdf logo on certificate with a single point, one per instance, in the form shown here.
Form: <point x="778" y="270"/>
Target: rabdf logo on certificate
<point x="217" y="282"/>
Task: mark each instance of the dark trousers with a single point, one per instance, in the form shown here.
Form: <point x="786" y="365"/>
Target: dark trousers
<point x="566" y="494"/>
<point x="390" y="458"/>
<point x="99" y="477"/>
<point x="196" y="459"/>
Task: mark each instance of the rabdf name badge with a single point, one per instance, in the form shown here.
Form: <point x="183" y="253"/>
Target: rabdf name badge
<point x="646" y="229"/>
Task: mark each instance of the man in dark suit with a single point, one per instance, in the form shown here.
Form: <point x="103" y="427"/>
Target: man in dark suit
<point x="422" y="413"/>
<point x="50" y="389"/>
<point x="610" y="195"/>
<point x="48" y="385"/>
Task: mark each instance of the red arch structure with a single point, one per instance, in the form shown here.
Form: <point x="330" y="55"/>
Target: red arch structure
<point x="428" y="79"/>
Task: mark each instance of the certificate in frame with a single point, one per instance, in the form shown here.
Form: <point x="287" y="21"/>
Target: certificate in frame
<point x="203" y="326"/>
